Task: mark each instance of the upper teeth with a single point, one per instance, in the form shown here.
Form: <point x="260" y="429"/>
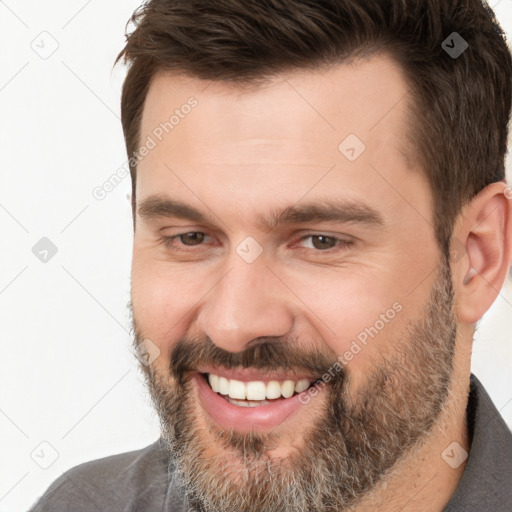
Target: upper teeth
<point x="256" y="390"/>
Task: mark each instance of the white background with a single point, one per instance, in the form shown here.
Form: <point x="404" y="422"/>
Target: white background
<point x="68" y="377"/>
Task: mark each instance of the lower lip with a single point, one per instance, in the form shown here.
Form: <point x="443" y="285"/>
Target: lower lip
<point x="248" y="419"/>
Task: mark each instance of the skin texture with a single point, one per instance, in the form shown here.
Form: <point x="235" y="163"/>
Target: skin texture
<point x="243" y="153"/>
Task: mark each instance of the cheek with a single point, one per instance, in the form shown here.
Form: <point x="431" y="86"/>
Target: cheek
<point x="163" y="301"/>
<point x="358" y="317"/>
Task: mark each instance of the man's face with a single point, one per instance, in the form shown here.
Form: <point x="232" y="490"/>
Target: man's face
<point x="307" y="252"/>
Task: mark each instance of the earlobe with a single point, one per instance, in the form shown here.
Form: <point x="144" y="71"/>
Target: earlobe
<point x="485" y="230"/>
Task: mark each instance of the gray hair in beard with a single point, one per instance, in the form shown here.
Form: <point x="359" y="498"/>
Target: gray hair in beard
<point x="353" y="446"/>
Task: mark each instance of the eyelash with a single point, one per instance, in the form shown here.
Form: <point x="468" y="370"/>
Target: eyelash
<point x="168" y="242"/>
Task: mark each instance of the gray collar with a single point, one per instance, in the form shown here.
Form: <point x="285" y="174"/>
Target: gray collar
<point x="486" y="484"/>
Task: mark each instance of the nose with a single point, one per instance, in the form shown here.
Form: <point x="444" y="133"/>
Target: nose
<point x="247" y="303"/>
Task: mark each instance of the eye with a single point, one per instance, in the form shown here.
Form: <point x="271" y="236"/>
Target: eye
<point x="317" y="242"/>
<point x="324" y="243"/>
<point x="188" y="239"/>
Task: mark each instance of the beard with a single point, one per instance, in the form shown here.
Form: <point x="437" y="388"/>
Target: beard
<point x="353" y="445"/>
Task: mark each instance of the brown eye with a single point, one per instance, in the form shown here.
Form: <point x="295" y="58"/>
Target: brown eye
<point x="322" y="242"/>
<point x="191" y="238"/>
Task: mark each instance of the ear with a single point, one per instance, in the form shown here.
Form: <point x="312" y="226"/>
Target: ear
<point x="481" y="251"/>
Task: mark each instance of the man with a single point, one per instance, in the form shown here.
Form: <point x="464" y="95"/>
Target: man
<point x="320" y="220"/>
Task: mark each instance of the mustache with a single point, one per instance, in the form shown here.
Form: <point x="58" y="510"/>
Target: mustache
<point x="270" y="354"/>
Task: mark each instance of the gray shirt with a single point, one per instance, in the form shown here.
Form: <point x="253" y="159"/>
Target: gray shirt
<point x="140" y="480"/>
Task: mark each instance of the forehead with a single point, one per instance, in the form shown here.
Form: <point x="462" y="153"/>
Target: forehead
<point x="323" y="104"/>
<point x="245" y="143"/>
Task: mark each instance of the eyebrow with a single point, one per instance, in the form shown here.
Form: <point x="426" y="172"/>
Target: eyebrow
<point x="328" y="210"/>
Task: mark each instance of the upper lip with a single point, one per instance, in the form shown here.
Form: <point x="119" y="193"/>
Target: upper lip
<point x="253" y="374"/>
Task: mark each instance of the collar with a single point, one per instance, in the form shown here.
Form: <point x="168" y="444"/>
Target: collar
<point x="486" y="483"/>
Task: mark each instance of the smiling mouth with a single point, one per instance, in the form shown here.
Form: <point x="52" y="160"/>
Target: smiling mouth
<point x="255" y="393"/>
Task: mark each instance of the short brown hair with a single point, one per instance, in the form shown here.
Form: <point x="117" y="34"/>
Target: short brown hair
<point x="461" y="106"/>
